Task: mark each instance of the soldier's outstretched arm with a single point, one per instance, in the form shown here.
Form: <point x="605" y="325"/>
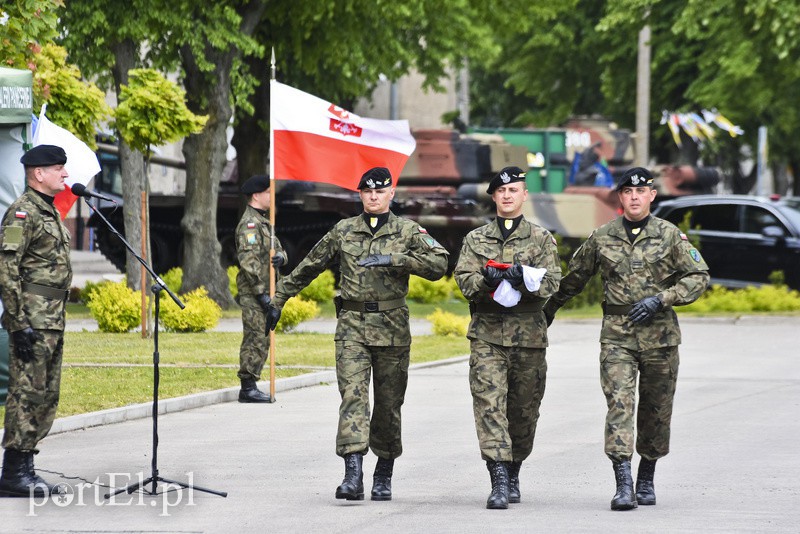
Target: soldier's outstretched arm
<point x="318" y="259"/>
<point x="425" y="257"/>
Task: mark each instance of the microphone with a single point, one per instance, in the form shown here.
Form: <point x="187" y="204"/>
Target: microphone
<point x="81" y="191"/>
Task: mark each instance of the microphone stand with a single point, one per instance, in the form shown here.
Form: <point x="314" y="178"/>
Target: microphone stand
<point x="157" y="287"/>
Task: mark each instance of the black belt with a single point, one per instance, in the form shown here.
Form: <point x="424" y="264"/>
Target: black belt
<point x="616" y="309"/>
<point x="45" y="291"/>
<point x="375" y="306"/>
<point x="494" y="307"/>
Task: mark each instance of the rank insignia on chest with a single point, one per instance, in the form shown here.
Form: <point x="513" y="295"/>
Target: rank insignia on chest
<point x="250" y="237"/>
<point x="695" y="255"/>
<point x="637" y="264"/>
<point x="251" y="225"/>
<point x="20" y="214"/>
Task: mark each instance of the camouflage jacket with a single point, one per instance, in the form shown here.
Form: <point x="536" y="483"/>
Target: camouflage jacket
<point x="660" y="261"/>
<point x="252" y="249"/>
<point x="412" y="250"/>
<point x="34" y="247"/>
<point x="529" y="244"/>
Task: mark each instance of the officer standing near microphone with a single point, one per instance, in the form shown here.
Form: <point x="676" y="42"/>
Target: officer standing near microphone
<point x="35" y="276"/>
<point x="252" y="248"/>
<point x="376" y="251"/>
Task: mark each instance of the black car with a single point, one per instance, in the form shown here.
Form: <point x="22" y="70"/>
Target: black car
<point x="742" y="238"/>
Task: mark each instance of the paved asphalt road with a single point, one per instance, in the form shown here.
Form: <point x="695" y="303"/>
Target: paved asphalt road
<point x="733" y="465"/>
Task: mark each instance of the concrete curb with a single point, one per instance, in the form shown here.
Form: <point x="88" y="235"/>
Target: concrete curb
<point x="197" y="400"/>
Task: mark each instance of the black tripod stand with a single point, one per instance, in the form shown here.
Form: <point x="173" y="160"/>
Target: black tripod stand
<point x="159" y="285"/>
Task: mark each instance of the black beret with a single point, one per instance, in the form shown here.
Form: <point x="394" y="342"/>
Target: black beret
<point x="506" y="176"/>
<point x="255" y="184"/>
<point x="44" y="156"/>
<point x="375" y="178"/>
<point x="635" y="177"/>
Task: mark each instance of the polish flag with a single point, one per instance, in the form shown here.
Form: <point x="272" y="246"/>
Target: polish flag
<point x="82" y="164"/>
<point x="316" y="141"/>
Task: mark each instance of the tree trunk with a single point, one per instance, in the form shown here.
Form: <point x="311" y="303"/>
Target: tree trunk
<point x="250" y="139"/>
<point x="209" y="93"/>
<point x="132" y="168"/>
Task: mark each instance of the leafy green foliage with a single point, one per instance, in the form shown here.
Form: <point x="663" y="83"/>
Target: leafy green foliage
<point x="200" y="314"/>
<point x="152" y="111"/>
<point x="768" y="298"/>
<point x="115" y="307"/>
<point x="448" y="324"/>
<point x="320" y="289"/>
<point x="29" y="24"/>
<point x="422" y="290"/>
<point x="89" y="289"/>
<point x="295" y="311"/>
<point x="173" y="279"/>
<point x="233" y="270"/>
<point x="455" y="290"/>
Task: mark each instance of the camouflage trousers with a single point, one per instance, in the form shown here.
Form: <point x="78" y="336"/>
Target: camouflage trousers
<point x="389" y="366"/>
<point x="657" y="372"/>
<point x="507" y="385"/>
<point x="255" y="343"/>
<point x="33" y="390"/>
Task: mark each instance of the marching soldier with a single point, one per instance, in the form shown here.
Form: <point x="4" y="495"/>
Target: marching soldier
<point x="647" y="266"/>
<point x="252" y="247"/>
<point x="35" y="276"/>
<point x="507" y="338"/>
<point x="376" y="252"/>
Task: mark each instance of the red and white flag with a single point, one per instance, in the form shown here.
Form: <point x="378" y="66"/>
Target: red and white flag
<point x="316" y="141"/>
<point x="82" y="164"/>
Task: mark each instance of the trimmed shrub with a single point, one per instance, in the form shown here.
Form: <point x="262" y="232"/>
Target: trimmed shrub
<point x="115" y="307"/>
<point x="232" y="271"/>
<point x="455" y="290"/>
<point x="425" y="291"/>
<point x="89" y="288"/>
<point x="295" y="311"/>
<point x="200" y="314"/>
<point x="173" y="279"/>
<point x="448" y="324"/>
<point x="750" y="299"/>
<point x="320" y="289"/>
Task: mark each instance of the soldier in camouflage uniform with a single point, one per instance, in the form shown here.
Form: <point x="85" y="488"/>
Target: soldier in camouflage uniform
<point x="507" y="362"/>
<point x="35" y="276"/>
<point x="376" y="252"/>
<point x="252" y="247"/>
<point x="647" y="266"/>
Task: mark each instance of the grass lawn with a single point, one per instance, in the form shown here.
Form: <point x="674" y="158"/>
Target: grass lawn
<point x="111" y="370"/>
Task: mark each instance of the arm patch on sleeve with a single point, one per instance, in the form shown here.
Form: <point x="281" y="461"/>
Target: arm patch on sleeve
<point x="11" y="238"/>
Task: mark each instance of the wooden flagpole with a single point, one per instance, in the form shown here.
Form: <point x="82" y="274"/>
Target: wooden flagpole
<point x="272" y="273"/>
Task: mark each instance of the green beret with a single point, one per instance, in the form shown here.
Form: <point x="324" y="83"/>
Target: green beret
<point x="504" y="177"/>
<point x="376" y="178"/>
<point x="255" y="184"/>
<point x="44" y="156"/>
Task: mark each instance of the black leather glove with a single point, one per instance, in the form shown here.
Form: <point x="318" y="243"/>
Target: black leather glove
<point x="643" y="311"/>
<point x="514" y="275"/>
<point x="492" y="276"/>
<point x="273" y="316"/>
<point x="278" y="261"/>
<point x="23" y="342"/>
<point x="376" y="260"/>
<point x="264" y="301"/>
<point x="549" y="311"/>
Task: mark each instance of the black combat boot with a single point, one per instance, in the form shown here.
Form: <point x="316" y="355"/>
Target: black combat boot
<point x="382" y="480"/>
<point x="645" y="490"/>
<point x="16" y="480"/>
<point x="39" y="480"/>
<point x="514" y="495"/>
<point x="498" y="499"/>
<point x="624" y="499"/>
<point x="250" y="393"/>
<point x="352" y="487"/>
